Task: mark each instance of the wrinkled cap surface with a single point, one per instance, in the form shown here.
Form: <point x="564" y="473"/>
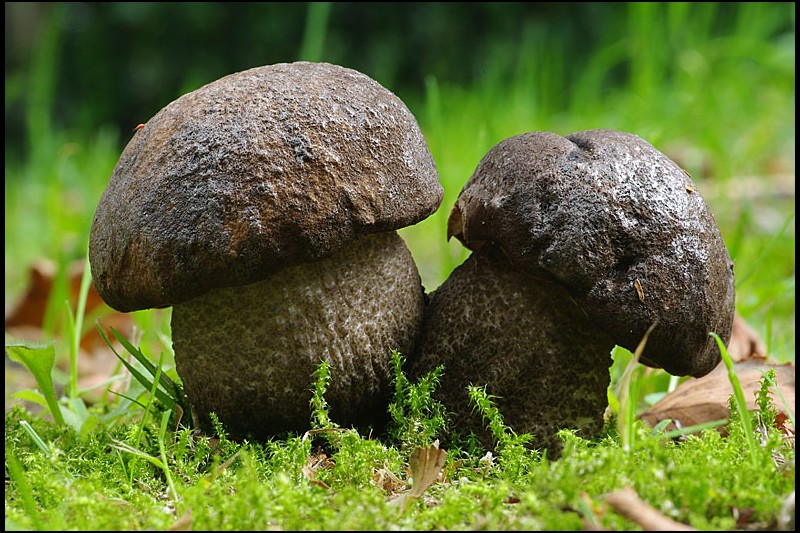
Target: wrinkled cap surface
<point x="259" y="170"/>
<point x="621" y="226"/>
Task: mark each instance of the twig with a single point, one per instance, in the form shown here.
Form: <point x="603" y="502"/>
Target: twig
<point x="627" y="503"/>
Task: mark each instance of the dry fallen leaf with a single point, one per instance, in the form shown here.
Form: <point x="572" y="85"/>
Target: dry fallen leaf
<point x="705" y="399"/>
<point x="745" y="341"/>
<point x="426" y="465"/>
<point x="27" y="316"/>
<point x="627" y="503"/>
<point x="385" y="479"/>
<point x="24" y="321"/>
<point x="315" y="463"/>
<point x="184" y="523"/>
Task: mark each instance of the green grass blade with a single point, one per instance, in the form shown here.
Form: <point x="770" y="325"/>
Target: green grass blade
<point x="164" y="380"/>
<point x="77" y="327"/>
<point x="153" y="389"/>
<point x="35" y="437"/>
<point x="695" y="428"/>
<point x="141" y="378"/>
<point x="739" y="400"/>
<point x="163" y="452"/>
<point x="123" y="447"/>
<point x="629" y="392"/>
<point x="16" y="472"/>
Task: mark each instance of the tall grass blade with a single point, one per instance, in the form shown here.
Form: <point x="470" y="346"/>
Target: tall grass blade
<point x="170" y="386"/>
<point x="629" y="389"/>
<point x="315" y="31"/>
<point x="146" y="382"/>
<point x="77" y="333"/>
<point x="75" y="330"/>
<point x="149" y="405"/>
<point x="739" y="401"/>
<point x="163" y="452"/>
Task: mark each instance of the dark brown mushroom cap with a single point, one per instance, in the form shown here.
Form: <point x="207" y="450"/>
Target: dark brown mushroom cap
<point x="259" y="170"/>
<point x="621" y="226"/>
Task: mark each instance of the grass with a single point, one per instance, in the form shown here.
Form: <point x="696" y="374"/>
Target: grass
<point x="722" y="105"/>
<point x="119" y="479"/>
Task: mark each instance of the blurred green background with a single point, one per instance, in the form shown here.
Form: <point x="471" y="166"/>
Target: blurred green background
<point x="710" y="84"/>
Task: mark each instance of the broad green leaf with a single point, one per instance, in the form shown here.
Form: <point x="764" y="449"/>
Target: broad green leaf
<point x="39" y="360"/>
<point x="31" y="396"/>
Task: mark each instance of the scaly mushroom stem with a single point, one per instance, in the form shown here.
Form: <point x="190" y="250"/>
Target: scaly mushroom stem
<point x="523" y="337"/>
<point x="248" y="353"/>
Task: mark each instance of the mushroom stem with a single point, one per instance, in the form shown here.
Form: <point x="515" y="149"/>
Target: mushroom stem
<point x="523" y="337"/>
<point x="253" y="366"/>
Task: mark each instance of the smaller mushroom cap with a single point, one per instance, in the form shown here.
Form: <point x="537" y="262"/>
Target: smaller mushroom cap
<point x="257" y="171"/>
<point x="621" y="226"/>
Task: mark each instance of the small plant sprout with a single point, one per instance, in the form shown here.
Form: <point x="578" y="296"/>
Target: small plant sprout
<point x="418" y="419"/>
<point x="162" y="461"/>
<point x="39" y="360"/>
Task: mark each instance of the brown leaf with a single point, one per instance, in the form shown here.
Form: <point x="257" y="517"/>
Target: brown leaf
<point x="184" y="523"/>
<point x="24" y="321"/>
<point x="627" y="503"/>
<point x="26" y="318"/>
<point x="315" y="463"/>
<point x="426" y="465"/>
<point x="745" y="342"/>
<point x="385" y="479"/>
<point x="705" y="399"/>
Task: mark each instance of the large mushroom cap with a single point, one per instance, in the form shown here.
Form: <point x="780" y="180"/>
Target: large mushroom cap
<point x="620" y="225"/>
<point x="260" y="170"/>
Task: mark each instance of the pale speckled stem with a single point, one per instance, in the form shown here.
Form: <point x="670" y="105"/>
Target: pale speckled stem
<point x="248" y="353"/>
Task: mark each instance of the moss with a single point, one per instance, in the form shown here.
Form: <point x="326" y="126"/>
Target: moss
<point x="348" y="480"/>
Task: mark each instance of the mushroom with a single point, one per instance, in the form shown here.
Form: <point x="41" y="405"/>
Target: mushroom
<point x="263" y="207"/>
<point x="579" y="243"/>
